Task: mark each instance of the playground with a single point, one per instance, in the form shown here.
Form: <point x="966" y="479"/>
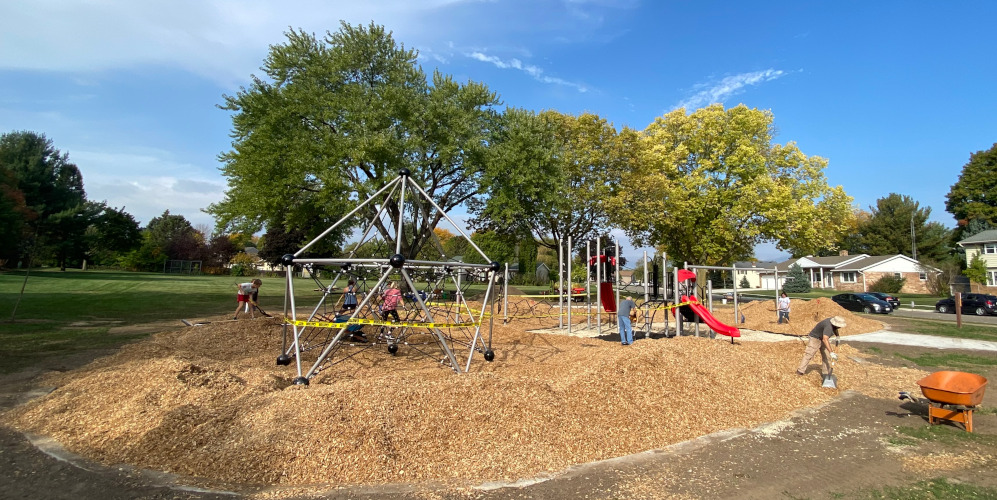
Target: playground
<point x="471" y="389"/>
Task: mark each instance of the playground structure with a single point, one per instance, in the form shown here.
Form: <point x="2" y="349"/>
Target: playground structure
<point x="682" y="300"/>
<point x="436" y="315"/>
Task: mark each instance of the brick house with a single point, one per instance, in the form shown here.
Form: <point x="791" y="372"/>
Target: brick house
<point x="983" y="244"/>
<point x="856" y="273"/>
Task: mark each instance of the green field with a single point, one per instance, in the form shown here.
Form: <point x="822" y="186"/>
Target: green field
<point x="62" y="312"/>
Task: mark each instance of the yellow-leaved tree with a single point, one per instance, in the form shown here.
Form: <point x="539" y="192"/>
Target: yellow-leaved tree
<point x="708" y="186"/>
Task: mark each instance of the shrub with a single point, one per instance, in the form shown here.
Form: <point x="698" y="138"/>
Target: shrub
<point x="243" y="264"/>
<point x="888" y="284"/>
<point x="744" y="283"/>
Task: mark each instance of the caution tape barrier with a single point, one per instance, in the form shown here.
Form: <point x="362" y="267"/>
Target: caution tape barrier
<point x="396" y="324"/>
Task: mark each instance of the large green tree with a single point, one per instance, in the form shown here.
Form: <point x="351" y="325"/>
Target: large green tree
<point x="550" y="176"/>
<point x="337" y="118"/>
<point x="974" y="195"/>
<point x="41" y="195"/>
<point x="896" y="225"/>
<point x="709" y="185"/>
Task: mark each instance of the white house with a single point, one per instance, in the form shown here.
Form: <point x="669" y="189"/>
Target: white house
<point x="856" y="273"/>
<point x="983" y="244"/>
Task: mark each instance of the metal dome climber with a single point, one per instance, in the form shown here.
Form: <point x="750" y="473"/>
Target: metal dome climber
<point x="453" y="326"/>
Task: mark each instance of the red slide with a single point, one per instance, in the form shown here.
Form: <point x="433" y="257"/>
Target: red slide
<point x="708" y="318"/>
<point x="608" y="297"/>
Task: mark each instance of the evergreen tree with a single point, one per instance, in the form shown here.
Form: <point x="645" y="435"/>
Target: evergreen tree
<point x="796" y="281"/>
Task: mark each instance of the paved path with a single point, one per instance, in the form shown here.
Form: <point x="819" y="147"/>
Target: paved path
<point x="888" y="337"/>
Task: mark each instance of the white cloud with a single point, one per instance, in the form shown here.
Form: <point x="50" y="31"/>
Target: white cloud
<point x="221" y="40"/>
<point x="147" y="183"/>
<point x="732" y="85"/>
<point x="534" y="71"/>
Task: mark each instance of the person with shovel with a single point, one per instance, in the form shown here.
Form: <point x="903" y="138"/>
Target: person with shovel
<point x="247" y="293"/>
<point x="820" y="339"/>
<point x="783" y="308"/>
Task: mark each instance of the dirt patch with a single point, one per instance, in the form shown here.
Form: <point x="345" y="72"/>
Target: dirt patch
<point x="761" y="315"/>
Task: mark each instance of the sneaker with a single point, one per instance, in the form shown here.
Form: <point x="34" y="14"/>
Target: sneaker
<point x="800" y="373"/>
<point x="235" y="317"/>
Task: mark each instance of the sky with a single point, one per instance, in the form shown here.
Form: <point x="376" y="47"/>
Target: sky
<point x="895" y="94"/>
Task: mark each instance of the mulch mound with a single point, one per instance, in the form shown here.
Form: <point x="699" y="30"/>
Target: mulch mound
<point x="209" y="401"/>
<point x="803" y="315"/>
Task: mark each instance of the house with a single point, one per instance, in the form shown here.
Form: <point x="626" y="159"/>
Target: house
<point x="753" y="273"/>
<point x="983" y="244"/>
<point x="856" y="273"/>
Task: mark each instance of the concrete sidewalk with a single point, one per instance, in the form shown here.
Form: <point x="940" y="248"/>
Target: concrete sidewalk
<point x="898" y="338"/>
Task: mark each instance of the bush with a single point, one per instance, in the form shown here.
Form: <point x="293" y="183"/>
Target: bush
<point x="243" y="264"/>
<point x="888" y="284"/>
<point x="744" y="283"/>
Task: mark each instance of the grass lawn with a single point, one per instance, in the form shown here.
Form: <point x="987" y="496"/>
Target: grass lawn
<point x="69" y="311"/>
<point x="943" y="328"/>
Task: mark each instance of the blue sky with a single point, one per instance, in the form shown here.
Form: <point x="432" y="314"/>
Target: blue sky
<point x="896" y="94"/>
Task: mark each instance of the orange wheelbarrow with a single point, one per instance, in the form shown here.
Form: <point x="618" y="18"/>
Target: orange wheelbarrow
<point x="951" y="396"/>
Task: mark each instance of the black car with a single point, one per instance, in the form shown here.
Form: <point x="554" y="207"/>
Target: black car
<point x="862" y="302"/>
<point x="972" y="303"/>
<point x="892" y="299"/>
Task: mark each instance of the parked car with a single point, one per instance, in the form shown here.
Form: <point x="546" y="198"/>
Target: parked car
<point x="972" y="303"/>
<point x="892" y="299"/>
<point x="862" y="302"/>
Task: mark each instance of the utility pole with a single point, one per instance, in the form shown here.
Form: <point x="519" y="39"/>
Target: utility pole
<point x="913" y="240"/>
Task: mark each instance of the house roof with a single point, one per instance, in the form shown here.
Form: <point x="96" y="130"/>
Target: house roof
<point x="762" y="264"/>
<point x="832" y="261"/>
<point x="987" y="236"/>
<point x="859" y="262"/>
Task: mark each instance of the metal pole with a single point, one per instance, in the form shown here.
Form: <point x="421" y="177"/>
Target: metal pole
<point x="776" y="287"/>
<point x="736" y="316"/>
<point x="675" y="294"/>
<point x="571" y="286"/>
<point x="709" y="295"/>
<point x="560" y="285"/>
<point x="588" y="282"/>
<point x="598" y="284"/>
<point x="616" y="284"/>
<point x="505" y="295"/>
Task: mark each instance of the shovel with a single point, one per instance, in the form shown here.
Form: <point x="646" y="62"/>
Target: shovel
<point x="830" y="381"/>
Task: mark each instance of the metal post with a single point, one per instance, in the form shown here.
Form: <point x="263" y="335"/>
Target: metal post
<point x="560" y="285"/>
<point x="505" y="295"/>
<point x="616" y="283"/>
<point x="598" y="284"/>
<point x="588" y="282"/>
<point x="675" y="293"/>
<point x="571" y="285"/>
<point x="736" y="316"/>
<point x="776" y="271"/>
<point x="709" y="295"/>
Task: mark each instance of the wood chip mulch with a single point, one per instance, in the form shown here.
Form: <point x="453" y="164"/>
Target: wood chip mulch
<point x="209" y="401"/>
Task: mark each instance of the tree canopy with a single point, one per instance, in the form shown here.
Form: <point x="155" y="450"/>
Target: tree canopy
<point x="549" y="176"/>
<point x="974" y="195"/>
<point x="887" y="230"/>
<point x="41" y="197"/>
<point x="336" y="119"/>
<point x="709" y="185"/>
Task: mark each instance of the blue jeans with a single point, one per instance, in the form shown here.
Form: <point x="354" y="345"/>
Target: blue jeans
<point x="783" y="315"/>
<point x="626" y="332"/>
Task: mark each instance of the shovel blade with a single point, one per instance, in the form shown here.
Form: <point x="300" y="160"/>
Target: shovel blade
<point x="830" y="381"/>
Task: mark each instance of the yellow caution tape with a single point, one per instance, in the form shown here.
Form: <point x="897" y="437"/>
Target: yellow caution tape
<point x="360" y="321"/>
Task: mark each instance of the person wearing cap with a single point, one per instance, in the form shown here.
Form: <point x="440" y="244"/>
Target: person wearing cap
<point x="820" y="340"/>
